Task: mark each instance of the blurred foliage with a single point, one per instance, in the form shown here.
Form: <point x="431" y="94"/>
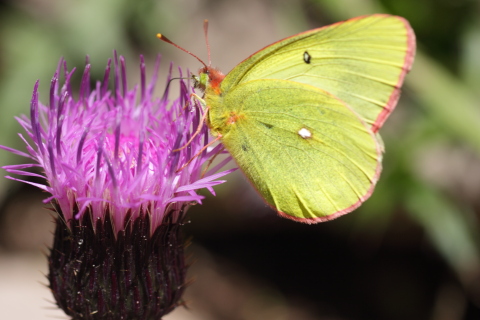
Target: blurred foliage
<point x="432" y="165"/>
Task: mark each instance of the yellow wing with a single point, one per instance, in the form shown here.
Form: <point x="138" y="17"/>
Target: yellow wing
<point x="362" y="61"/>
<point x="306" y="152"/>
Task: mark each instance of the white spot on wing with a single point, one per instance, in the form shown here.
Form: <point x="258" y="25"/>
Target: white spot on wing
<point x="304" y="133"/>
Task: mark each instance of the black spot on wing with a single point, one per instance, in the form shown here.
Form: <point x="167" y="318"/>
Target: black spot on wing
<point x="267" y="125"/>
<point x="307" y="57"/>
<point x="244" y="147"/>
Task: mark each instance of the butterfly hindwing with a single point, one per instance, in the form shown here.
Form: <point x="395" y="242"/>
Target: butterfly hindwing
<point x="306" y="152"/>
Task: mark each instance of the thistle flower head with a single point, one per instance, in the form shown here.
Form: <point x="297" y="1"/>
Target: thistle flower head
<point x="113" y="150"/>
<point x="121" y="190"/>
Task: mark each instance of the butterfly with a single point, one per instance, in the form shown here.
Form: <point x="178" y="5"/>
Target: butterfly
<point x="301" y="116"/>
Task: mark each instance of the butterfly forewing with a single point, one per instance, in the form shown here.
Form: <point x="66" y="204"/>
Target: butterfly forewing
<point x="362" y="61"/>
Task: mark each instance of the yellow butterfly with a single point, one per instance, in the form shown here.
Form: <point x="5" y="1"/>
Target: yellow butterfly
<point x="301" y="116"/>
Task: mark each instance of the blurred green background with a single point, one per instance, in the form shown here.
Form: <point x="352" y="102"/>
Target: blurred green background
<point x="410" y="252"/>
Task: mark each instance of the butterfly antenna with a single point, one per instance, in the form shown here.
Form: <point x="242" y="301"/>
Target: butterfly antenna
<point x="163" y="38"/>
<point x="205" y="30"/>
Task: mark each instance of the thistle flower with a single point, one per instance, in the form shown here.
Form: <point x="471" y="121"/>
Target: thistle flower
<point x="119" y="190"/>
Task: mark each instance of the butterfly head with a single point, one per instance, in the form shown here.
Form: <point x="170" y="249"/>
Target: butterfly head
<point x="208" y="77"/>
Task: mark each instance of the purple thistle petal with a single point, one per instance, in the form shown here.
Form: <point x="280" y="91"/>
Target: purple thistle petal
<point x="34" y="116"/>
<point x="25" y="173"/>
<point x="21" y="166"/>
<point x="154" y="79"/>
<point x="15" y="151"/>
<point x="60" y="117"/>
<point x="208" y="181"/>
<point x="116" y="75"/>
<point x="106" y="77"/>
<point x="85" y="84"/>
<point x="115" y="149"/>
<point x="186" y="198"/>
<point x="53" y="86"/>
<point x="123" y="76"/>
<point x="142" y="79"/>
<point x="82" y="141"/>
<point x="38" y="185"/>
<point x="220" y="165"/>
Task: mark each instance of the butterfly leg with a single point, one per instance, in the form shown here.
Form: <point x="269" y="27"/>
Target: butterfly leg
<point x="200" y="100"/>
<point x="199" y="152"/>
<point x="201" y="123"/>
